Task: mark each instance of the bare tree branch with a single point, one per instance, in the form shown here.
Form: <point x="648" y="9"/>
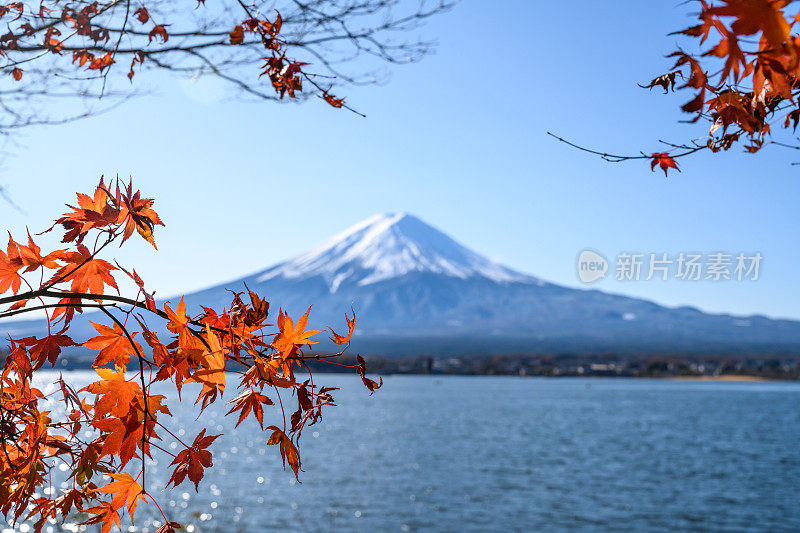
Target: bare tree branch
<point x="51" y="50"/>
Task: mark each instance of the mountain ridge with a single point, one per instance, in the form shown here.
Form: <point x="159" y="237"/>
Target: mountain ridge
<point x="408" y="280"/>
<point x="416" y="290"/>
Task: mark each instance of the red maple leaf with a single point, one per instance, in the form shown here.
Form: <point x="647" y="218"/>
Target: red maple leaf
<point x="193" y="460"/>
<point x="663" y="160"/>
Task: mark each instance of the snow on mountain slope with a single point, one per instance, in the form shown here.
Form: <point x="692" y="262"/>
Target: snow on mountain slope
<point x="387" y="246"/>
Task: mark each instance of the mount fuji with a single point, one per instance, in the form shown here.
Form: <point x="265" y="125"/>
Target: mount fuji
<point x="415" y="290"/>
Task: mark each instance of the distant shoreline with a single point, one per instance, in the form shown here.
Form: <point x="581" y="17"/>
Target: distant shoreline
<point x="730" y="377"/>
<point x="700" y="368"/>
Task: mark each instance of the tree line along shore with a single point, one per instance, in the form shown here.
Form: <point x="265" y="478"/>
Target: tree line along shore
<point x="698" y="367"/>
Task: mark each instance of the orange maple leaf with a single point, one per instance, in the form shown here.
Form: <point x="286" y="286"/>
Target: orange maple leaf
<point x="32" y="257"/>
<point x="752" y="17"/>
<point x="237" y="35"/>
<point x="119" y="414"/>
<point x="113" y="344"/>
<point x="87" y="273"/>
<point x="92" y="212"/>
<point x="142" y="14"/>
<point x="106" y="514"/>
<point x="735" y="59"/>
<point x="179" y="324"/>
<point x="332" y="100"/>
<point x="128" y="492"/>
<point x="101" y="63"/>
<point x="121" y="436"/>
<point x="291" y="336"/>
<point x="159" y="31"/>
<point x="48" y="349"/>
<point x="351" y="326"/>
<point x="10" y="265"/>
<point x="115" y="394"/>
<point x="212" y="375"/>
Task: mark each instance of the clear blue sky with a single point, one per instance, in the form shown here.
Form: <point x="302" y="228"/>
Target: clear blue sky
<point x="459" y="140"/>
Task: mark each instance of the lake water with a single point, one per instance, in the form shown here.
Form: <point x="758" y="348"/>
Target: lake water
<point x="505" y="454"/>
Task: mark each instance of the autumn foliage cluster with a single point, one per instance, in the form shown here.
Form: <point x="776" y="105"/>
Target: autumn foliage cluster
<point x="744" y="75"/>
<point x="125" y="420"/>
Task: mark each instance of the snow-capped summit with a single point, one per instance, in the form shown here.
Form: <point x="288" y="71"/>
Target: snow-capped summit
<point x="387" y="246"/>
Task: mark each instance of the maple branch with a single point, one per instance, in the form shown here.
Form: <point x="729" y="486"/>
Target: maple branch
<point x="318" y="357"/>
<point x="614" y="158"/>
<point x="120" y="299"/>
<point x="117" y="400"/>
<point x="7" y="197"/>
<point x="335" y="363"/>
<point x="91" y="296"/>
<point x="7" y="314"/>
<point x="784" y="145"/>
<point x="173" y="435"/>
<point x="166" y="521"/>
